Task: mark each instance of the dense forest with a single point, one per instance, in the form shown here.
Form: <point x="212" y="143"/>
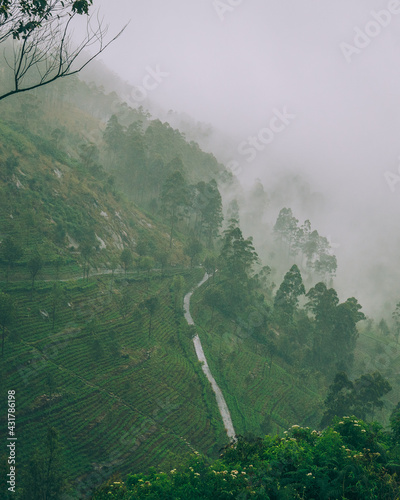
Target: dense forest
<point x="113" y="224"/>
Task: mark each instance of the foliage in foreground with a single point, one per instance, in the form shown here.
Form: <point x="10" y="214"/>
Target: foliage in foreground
<point x="349" y="460"/>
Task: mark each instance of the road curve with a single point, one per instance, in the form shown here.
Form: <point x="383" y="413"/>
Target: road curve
<point x="222" y="406"/>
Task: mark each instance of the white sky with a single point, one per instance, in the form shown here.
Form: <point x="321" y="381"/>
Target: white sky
<point x="267" y="54"/>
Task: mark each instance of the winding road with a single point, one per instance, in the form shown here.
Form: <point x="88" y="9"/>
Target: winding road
<point x="222" y="406"/>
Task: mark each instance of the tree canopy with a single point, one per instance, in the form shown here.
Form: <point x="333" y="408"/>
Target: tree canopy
<point x="287" y="296"/>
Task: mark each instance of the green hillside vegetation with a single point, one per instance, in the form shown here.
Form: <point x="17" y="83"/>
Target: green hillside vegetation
<point x="108" y="218"/>
<point x="122" y="395"/>
<point x="350" y="459"/>
<point x="96" y="346"/>
<point x="56" y="206"/>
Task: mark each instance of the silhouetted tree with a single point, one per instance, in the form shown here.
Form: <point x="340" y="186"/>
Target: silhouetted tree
<point x="35" y="264"/>
<point x="358" y="398"/>
<point x="175" y="200"/>
<point x="39" y="34"/>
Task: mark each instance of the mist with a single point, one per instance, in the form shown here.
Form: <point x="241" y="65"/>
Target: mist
<point x="304" y="97"/>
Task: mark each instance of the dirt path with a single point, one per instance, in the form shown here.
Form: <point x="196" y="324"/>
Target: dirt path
<point x="222" y="406"/>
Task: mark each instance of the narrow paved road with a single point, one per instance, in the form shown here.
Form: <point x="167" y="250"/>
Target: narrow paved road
<point x="222" y="406"/>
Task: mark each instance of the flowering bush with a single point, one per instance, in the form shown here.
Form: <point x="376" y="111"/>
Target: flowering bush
<point x="348" y="460"/>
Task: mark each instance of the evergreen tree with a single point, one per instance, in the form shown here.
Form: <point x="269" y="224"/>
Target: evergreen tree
<point x="114" y="135"/>
<point x="345" y="334"/>
<point x="236" y="261"/>
<point x="322" y="303"/>
<point x="237" y="255"/>
<point x="287" y="296"/>
<point x="286" y="228"/>
<point x="208" y="205"/>
<point x="175" y="200"/>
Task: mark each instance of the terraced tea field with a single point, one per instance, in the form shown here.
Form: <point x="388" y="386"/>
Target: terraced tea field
<point x="122" y="398"/>
<point x="260" y="400"/>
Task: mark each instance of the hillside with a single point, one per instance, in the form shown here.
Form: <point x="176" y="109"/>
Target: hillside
<point x="108" y="217"/>
<point x="122" y="389"/>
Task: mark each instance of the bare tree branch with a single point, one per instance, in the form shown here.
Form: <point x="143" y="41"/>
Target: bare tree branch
<point x="41" y="42"/>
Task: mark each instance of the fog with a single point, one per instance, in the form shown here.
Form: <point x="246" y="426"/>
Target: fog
<point x="305" y="89"/>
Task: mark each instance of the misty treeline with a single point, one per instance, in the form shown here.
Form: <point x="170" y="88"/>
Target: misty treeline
<point x="147" y="153"/>
<point x="301" y="242"/>
<point x="176" y="181"/>
<point x="74" y="198"/>
<point x="322" y="334"/>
